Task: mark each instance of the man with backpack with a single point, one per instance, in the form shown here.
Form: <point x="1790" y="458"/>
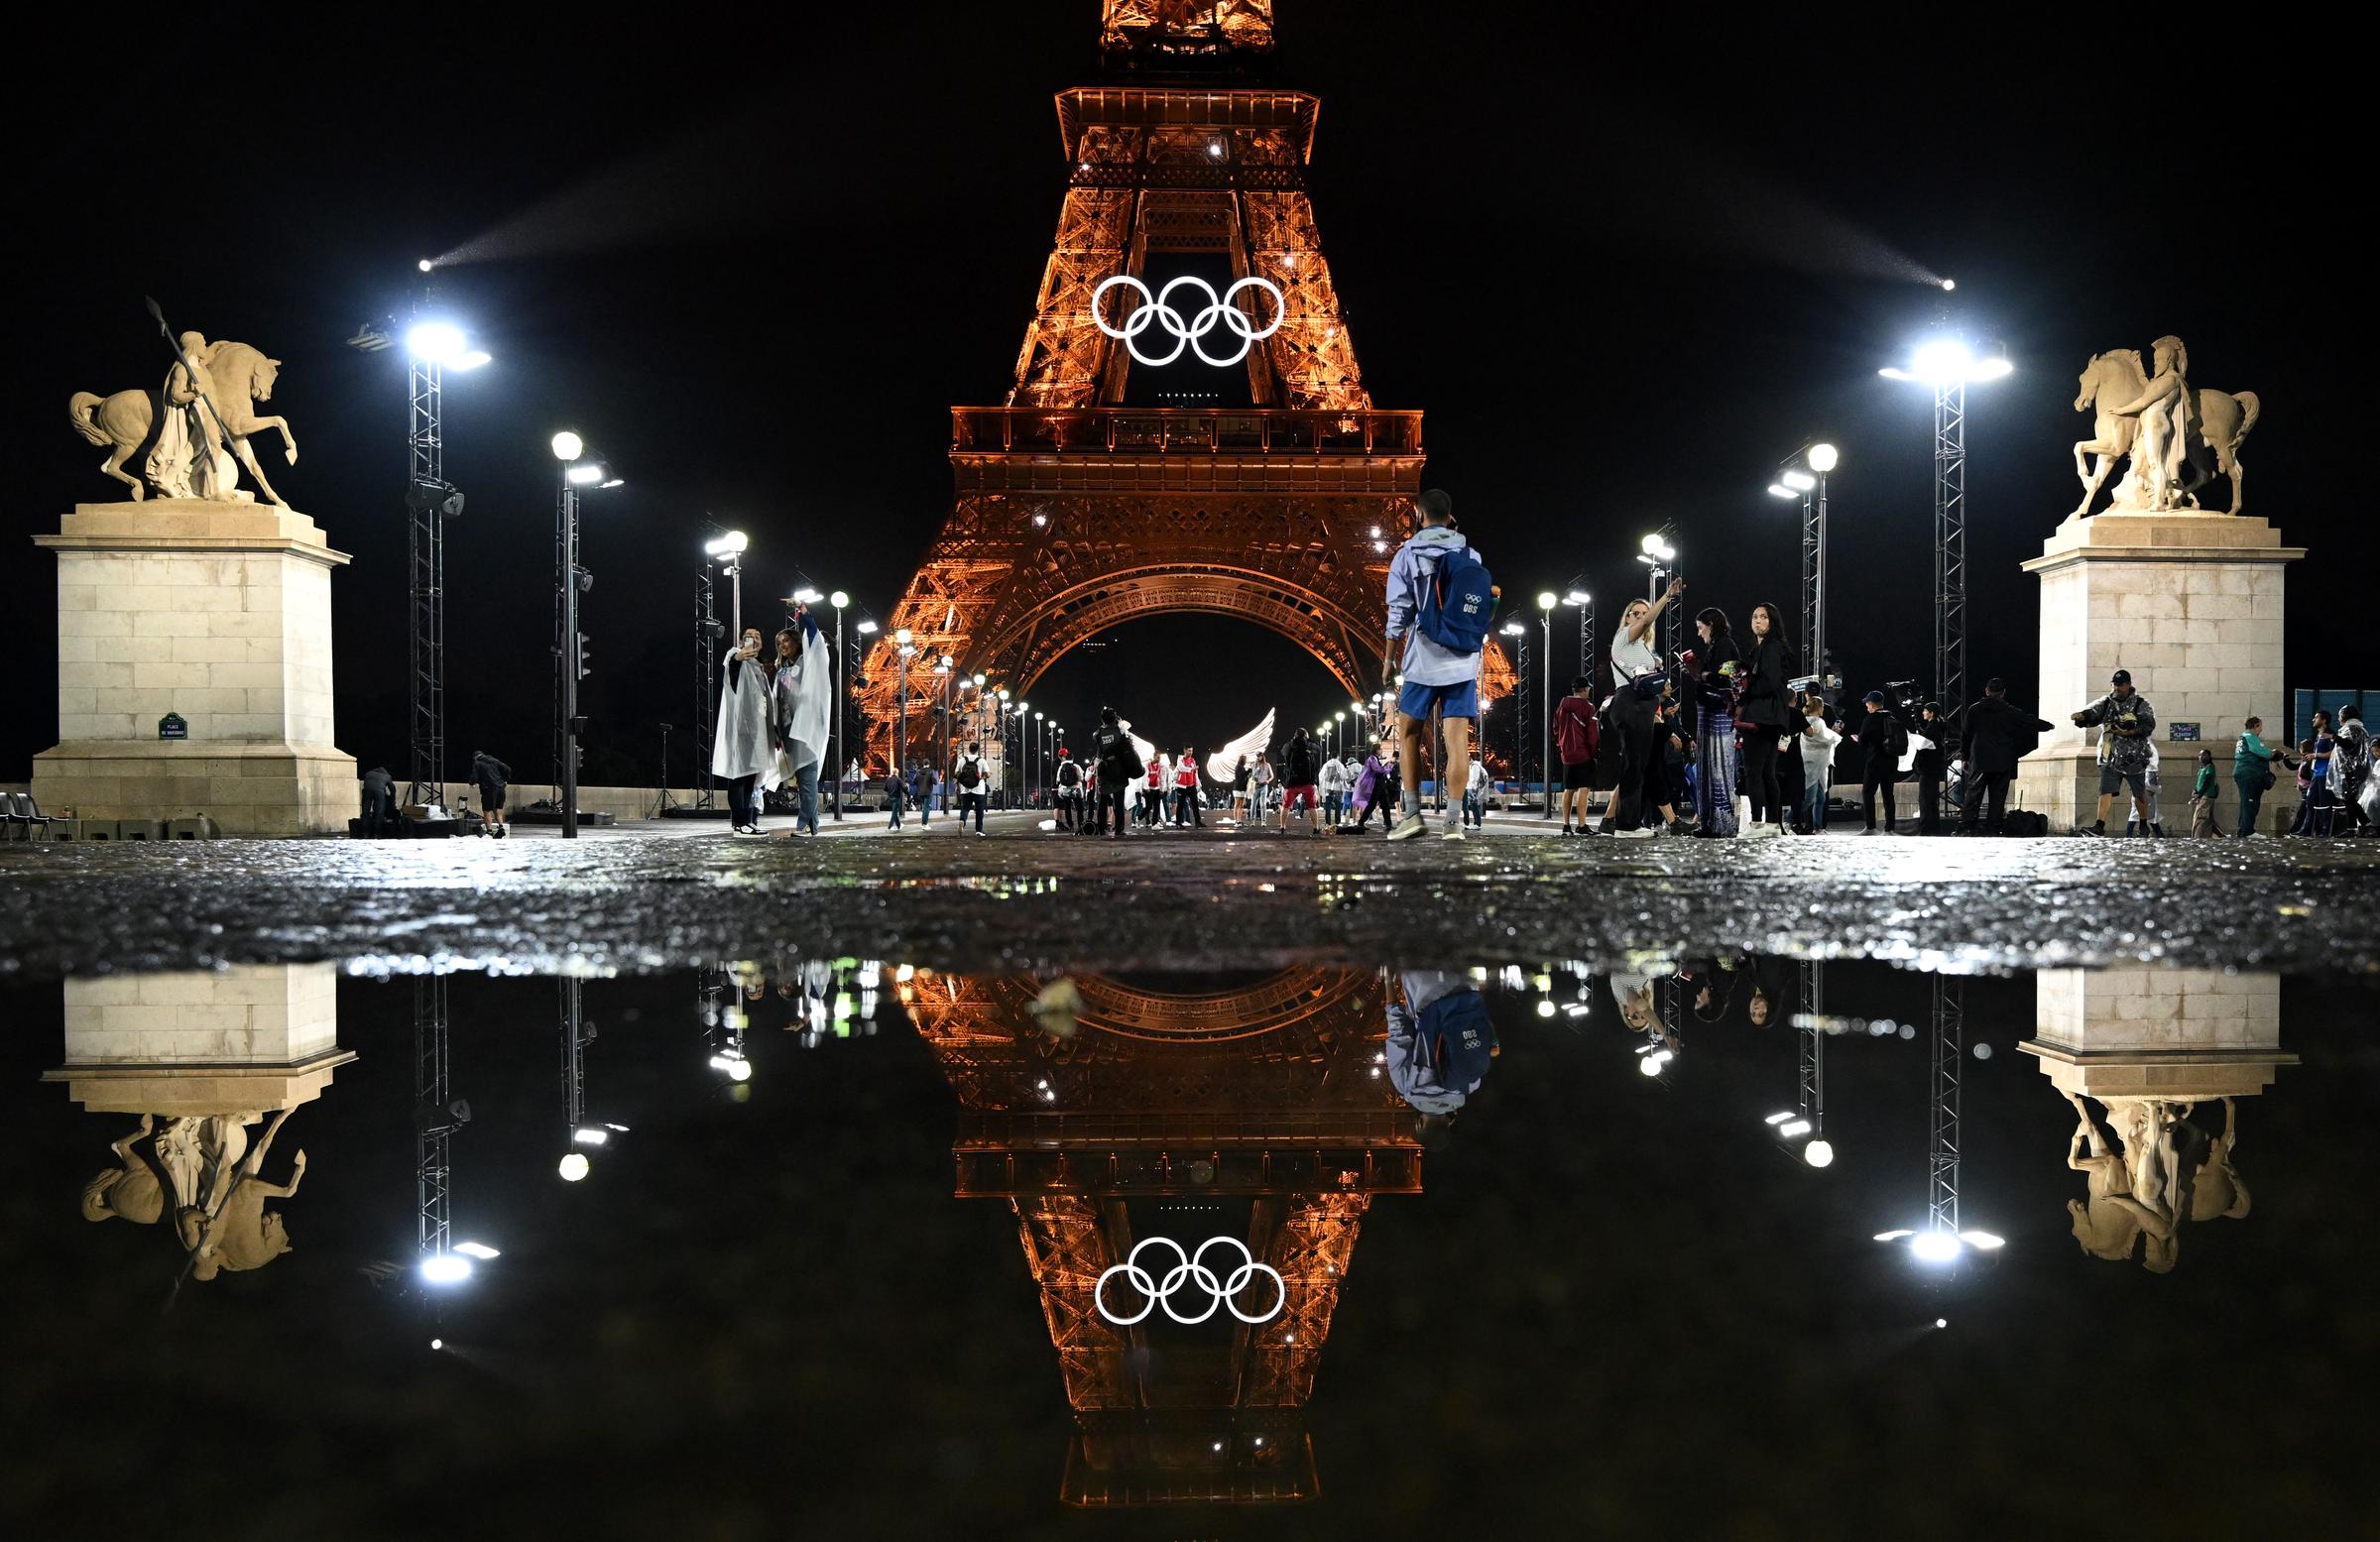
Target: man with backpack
<point x="1882" y="738"/>
<point x="1439" y="1040"/>
<point x="1070" y="792"/>
<point x="1578" y="736"/>
<point x="971" y="778"/>
<point x="1117" y="765"/>
<point x="1441" y="603"/>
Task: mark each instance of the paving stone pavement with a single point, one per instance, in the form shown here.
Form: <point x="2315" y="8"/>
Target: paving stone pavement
<point x="1022" y="897"/>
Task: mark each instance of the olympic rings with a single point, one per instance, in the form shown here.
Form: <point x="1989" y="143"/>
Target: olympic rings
<point x="1188" y="332"/>
<point x="1189" y="1269"/>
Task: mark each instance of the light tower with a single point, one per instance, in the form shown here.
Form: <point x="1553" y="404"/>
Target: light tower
<point x="1948" y="363"/>
<point x="1804" y="476"/>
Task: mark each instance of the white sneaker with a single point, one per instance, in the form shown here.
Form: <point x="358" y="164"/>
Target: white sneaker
<point x="1455" y="833"/>
<point x="1408" y="828"/>
<point x="1641" y="833"/>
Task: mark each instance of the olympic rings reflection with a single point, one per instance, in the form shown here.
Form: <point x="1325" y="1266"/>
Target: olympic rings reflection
<point x="1190" y="1269"/>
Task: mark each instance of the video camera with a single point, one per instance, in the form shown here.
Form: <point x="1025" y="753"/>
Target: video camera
<point x="1904" y="694"/>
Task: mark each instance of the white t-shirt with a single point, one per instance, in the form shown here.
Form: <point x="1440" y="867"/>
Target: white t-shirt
<point x="1632" y="659"/>
<point x="1478" y="777"/>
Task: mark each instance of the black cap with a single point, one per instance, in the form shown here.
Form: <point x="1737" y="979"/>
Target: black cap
<point x="1995" y="686"/>
<point x="2120" y="677"/>
<point x="1434" y="504"/>
<point x="1934" y="707"/>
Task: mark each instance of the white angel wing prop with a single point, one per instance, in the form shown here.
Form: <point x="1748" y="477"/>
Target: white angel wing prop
<point x="1224" y="762"/>
<point x="1140" y="747"/>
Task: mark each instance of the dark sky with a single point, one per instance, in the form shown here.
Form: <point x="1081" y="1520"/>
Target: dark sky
<point x="1622" y="269"/>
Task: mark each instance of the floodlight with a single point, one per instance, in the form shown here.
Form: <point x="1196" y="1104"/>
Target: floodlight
<point x="435" y="343"/>
<point x="585" y="473"/>
<point x="424" y="265"/>
<point x="480" y="1251"/>
<point x="805" y="596"/>
<point x="1949" y="284"/>
<point x="1821" y="458"/>
<point x="445" y="1269"/>
<point x="1799" y="480"/>
<point x="1780" y="490"/>
<point x="1936" y="1246"/>
<point x="590" y="1134"/>
<point x="573" y="1166"/>
<point x="901" y="635"/>
<point x="1652" y="545"/>
<point x="728" y="546"/>
<point x="1818" y="1153"/>
<point x="866" y="629"/>
<point x="838" y="599"/>
<point x="1982" y="1241"/>
<point x="1577" y="597"/>
<point x="1513" y="629"/>
<point x="569" y="447"/>
<point x="473" y="358"/>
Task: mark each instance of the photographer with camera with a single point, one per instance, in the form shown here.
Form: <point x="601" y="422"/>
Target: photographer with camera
<point x="2124" y="747"/>
<point x="1998" y="735"/>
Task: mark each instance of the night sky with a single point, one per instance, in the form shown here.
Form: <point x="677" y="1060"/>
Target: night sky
<point x="1625" y="272"/>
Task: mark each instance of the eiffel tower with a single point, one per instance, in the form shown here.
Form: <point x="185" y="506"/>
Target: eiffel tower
<point x="1255" y="1111"/>
<point x="1077" y="506"/>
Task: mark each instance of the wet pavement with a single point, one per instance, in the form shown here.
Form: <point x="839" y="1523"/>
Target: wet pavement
<point x="1023" y="898"/>
<point x="1221" y="1185"/>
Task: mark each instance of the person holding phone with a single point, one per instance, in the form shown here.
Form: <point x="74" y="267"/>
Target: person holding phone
<point x="740" y="750"/>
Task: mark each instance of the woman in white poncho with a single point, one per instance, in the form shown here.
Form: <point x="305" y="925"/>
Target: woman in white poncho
<point x="740" y="750"/>
<point x="800" y="701"/>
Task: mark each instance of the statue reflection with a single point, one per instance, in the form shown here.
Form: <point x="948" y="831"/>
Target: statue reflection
<point x="2151" y="1046"/>
<point x="202" y="1058"/>
<point x="1122" y="1122"/>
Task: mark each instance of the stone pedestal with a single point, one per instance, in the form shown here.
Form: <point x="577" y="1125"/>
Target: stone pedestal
<point x="239" y="1040"/>
<point x="217" y="612"/>
<point x="2191" y="604"/>
<point x="2178" y="1035"/>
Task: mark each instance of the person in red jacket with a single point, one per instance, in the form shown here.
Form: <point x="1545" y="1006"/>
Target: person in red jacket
<point x="1185" y="791"/>
<point x="1576" y="736"/>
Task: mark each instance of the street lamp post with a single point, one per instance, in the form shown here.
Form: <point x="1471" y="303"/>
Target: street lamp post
<point x="865" y="627"/>
<point x="1546" y="601"/>
<point x="1804" y="476"/>
<point x="834" y="726"/>
<point x="901" y="744"/>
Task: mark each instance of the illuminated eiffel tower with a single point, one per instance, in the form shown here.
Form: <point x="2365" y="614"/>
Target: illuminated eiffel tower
<point x="1078" y="509"/>
<point x="1256" y="1112"/>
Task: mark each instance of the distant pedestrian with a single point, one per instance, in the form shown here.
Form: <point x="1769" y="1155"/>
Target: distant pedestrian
<point x="2252" y="773"/>
<point x="740" y="749"/>
<point x="2127" y="721"/>
<point x="1638" y="676"/>
<point x="897" y="798"/>
<point x="1933" y="765"/>
<point x="1260" y="782"/>
<point x="1185" y="791"/>
<point x="1764" y="714"/>
<point x="1819" y="740"/>
<point x="2202" y="796"/>
<point x="973" y="781"/>
<point x="380" y="803"/>
<point x="1335" y="781"/>
<point x="493" y="777"/>
<point x="1578" y="739"/>
<point x="1070" y="792"/>
<point x="1713" y="668"/>
<point x="926" y="779"/>
<point x="1240" y="789"/>
<point x="802" y="696"/>
<point x="2352" y="768"/>
<point x="1300" y="773"/>
<point x="1997" y="736"/>
<point x="1119" y="765"/>
<point x="1475" y="795"/>
<point x="2321" y="791"/>
<point x="1882" y="739"/>
<point x="1376" y="788"/>
<point x="1152" y="791"/>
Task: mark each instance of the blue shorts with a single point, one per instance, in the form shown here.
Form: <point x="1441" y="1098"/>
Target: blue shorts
<point x="1461" y="700"/>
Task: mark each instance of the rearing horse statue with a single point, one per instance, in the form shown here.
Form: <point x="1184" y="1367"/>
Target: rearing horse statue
<point x="2221" y="419"/>
<point x="243" y="376"/>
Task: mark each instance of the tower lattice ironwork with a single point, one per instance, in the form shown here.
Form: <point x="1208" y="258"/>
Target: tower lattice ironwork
<point x="1075" y="511"/>
<point x="1261" y="1100"/>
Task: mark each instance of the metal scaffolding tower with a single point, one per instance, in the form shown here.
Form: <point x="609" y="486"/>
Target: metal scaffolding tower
<point x="435" y="1117"/>
<point x="1814" y="580"/>
<point x="1810" y="1099"/>
<point x="706" y="682"/>
<point x="575" y="1036"/>
<point x="1950" y="1041"/>
<point x="1949" y="548"/>
<point x="1525" y="713"/>
<point x="425" y="560"/>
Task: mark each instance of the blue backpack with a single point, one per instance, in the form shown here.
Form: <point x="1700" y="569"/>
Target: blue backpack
<point x="1457" y="601"/>
<point x="1457" y="1038"/>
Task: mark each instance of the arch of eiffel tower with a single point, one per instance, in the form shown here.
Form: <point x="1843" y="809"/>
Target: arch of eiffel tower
<point x="1075" y="511"/>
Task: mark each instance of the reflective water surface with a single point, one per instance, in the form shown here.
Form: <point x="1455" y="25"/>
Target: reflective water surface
<point x="1730" y="1245"/>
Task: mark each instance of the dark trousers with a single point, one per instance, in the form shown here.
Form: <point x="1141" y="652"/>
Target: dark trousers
<point x="1383" y="798"/>
<point x="1994" y="789"/>
<point x="1186" y="805"/>
<point x="1928" y="804"/>
<point x="1760" y="780"/>
<point x="1639" y="752"/>
<point x="2251" y="801"/>
<point x="1878" y="777"/>
<point x="975" y="802"/>
<point x="1069" y="808"/>
<point x="744" y="800"/>
<point x="1111" y="801"/>
<point x="380" y="813"/>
